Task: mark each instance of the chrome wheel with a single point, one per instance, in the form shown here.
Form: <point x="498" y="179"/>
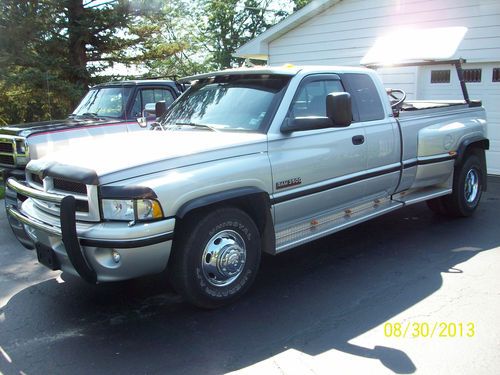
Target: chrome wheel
<point x="223" y="258"/>
<point x="471" y="188"/>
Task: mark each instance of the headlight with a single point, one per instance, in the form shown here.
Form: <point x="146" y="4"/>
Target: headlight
<point x="130" y="210"/>
<point x="20" y="147"/>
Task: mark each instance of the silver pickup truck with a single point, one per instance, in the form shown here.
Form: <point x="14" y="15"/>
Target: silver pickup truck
<point x="248" y="161"/>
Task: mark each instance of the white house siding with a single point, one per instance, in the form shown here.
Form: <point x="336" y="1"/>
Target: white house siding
<point x="342" y="34"/>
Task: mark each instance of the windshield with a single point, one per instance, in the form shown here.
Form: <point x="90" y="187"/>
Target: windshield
<point x="103" y="102"/>
<point x="236" y="102"/>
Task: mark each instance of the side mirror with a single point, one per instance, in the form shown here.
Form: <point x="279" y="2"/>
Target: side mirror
<point x="149" y="111"/>
<point x="339" y="108"/>
<point x="160" y="108"/>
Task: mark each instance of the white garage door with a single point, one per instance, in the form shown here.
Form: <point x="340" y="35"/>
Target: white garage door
<point x="441" y="82"/>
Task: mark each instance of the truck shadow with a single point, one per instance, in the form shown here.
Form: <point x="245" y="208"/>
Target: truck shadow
<point x="313" y="299"/>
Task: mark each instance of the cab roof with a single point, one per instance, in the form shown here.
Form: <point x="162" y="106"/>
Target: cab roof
<point x="136" y="82"/>
<point x="288" y="69"/>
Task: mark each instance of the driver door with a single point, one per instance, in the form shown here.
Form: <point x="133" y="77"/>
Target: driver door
<point x="315" y="171"/>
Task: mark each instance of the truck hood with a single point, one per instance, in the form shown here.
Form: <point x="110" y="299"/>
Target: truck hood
<point x="113" y="157"/>
<point x="30" y="128"/>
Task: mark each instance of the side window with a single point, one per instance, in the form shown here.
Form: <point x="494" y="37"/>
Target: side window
<point x="311" y="99"/>
<point x="366" y="96"/>
<point x="166" y="95"/>
<point x="146" y="96"/>
<point x="137" y="107"/>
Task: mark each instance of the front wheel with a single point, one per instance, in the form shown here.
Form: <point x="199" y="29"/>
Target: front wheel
<point x="216" y="257"/>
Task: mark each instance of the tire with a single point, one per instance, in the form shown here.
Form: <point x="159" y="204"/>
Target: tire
<point x="467" y="190"/>
<point x="215" y="258"/>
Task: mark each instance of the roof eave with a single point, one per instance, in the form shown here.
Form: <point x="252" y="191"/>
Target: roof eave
<point x="258" y="48"/>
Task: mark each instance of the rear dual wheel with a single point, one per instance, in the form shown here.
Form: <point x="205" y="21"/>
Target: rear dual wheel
<point x="467" y="190"/>
<point x="216" y="257"/>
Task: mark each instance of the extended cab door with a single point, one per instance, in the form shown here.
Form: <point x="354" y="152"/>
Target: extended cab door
<point x="325" y="170"/>
<point x="383" y="143"/>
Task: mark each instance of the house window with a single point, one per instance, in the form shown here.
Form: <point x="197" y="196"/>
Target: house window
<point x="496" y="75"/>
<point x="440" y="76"/>
<point x="472" y="75"/>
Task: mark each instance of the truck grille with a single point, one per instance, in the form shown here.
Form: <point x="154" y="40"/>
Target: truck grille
<point x="87" y="206"/>
<point x="82" y="206"/>
<point x="36" y="179"/>
<point x="7" y="147"/>
<point x="69" y="186"/>
<point x="7" y="159"/>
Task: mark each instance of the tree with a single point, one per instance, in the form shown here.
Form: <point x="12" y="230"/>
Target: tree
<point x="176" y="47"/>
<point x="299" y="4"/>
<point x="50" y="51"/>
<point x="231" y="23"/>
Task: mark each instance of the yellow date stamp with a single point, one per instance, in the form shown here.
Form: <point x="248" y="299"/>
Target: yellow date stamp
<point x="429" y="329"/>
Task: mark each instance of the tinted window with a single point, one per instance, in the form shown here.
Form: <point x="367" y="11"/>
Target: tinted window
<point x="232" y="102"/>
<point x="106" y="102"/>
<point x="472" y="75"/>
<point x="311" y="99"/>
<point x="164" y="95"/>
<point x="440" y="76"/>
<point x="496" y="75"/>
<point x="146" y="96"/>
<point x="366" y="96"/>
<point x="137" y="107"/>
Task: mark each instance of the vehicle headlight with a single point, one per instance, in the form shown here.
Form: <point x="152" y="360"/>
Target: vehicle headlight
<point x="21" y="147"/>
<point x="130" y="210"/>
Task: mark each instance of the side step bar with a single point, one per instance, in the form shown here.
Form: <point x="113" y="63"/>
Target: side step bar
<point x="330" y="223"/>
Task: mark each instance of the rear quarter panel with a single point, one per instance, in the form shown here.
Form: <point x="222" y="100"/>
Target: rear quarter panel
<point x="434" y="133"/>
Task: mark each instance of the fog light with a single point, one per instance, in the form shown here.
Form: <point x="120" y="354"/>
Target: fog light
<point x="116" y="256"/>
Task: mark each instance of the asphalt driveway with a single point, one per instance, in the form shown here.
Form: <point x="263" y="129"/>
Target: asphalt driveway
<point x="332" y="306"/>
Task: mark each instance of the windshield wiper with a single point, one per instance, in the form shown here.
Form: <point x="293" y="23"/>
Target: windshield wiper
<point x="89" y="114"/>
<point x="195" y="125"/>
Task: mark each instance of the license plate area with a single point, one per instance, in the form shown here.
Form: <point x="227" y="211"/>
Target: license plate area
<point x="47" y="257"/>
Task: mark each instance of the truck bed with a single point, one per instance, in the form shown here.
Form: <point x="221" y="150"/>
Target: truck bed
<point x="417" y="106"/>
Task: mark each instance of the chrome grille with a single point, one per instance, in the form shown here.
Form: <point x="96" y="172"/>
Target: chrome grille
<point x="87" y="203"/>
<point x="69" y="186"/>
<point x="7" y="147"/>
<point x="36" y="179"/>
<point x="7" y="159"/>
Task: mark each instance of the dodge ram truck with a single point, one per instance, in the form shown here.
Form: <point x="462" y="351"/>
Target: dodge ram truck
<point x="249" y="161"/>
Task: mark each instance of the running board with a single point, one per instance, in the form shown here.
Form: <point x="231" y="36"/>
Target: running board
<point x="420" y="195"/>
<point x="330" y="223"/>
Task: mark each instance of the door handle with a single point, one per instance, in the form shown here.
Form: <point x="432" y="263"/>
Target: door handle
<point x="358" y="140"/>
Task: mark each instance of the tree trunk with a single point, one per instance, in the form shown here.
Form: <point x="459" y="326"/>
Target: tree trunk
<point x="78" y="34"/>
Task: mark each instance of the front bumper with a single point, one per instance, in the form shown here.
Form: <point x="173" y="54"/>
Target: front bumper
<point x="10" y="199"/>
<point x="89" y="250"/>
